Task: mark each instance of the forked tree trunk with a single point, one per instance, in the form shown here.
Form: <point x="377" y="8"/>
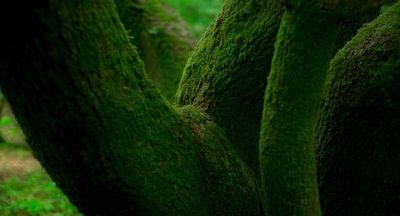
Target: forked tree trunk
<point x="101" y="129"/>
<point x="358" y="132"/>
<point x="115" y="147"/>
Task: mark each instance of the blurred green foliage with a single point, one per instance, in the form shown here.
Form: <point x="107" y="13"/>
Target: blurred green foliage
<point x="5" y="121"/>
<point x="197" y="13"/>
<point x="35" y="193"/>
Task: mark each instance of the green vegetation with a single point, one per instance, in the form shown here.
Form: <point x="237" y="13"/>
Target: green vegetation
<point x="34" y="194"/>
<point x="197" y="13"/>
<point x="25" y="188"/>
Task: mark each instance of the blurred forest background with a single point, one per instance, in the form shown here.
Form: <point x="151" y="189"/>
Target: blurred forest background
<point x="25" y="188"/>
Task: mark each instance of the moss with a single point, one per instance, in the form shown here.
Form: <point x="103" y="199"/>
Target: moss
<point x="349" y="26"/>
<point x="304" y="45"/>
<point x="357" y="134"/>
<point x="101" y="129"/>
<point x="163" y="40"/>
<point x="222" y="170"/>
<point x="226" y="75"/>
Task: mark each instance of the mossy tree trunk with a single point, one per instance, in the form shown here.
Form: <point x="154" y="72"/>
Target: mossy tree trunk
<point x="227" y="74"/>
<point x="116" y="147"/>
<point x="358" y="131"/>
<point x="101" y="129"/>
<point x="305" y="43"/>
<point x="303" y="48"/>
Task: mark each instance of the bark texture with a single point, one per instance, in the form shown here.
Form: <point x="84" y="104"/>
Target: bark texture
<point x="162" y="38"/>
<point x="358" y="132"/>
<point x="227" y="73"/>
<point x="304" y="45"/>
<point x="116" y="147"/>
<point x="100" y="128"/>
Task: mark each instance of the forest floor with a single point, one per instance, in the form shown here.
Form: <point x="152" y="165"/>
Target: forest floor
<point x="25" y="188"/>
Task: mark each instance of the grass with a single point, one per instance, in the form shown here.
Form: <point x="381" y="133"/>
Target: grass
<point x="25" y="188"/>
<point x="33" y="194"/>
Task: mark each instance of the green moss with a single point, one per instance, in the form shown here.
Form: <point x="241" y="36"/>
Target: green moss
<point x="222" y="171"/>
<point x="357" y="134"/>
<point x="102" y="130"/>
<point x="226" y="75"/>
<point x="303" y="48"/>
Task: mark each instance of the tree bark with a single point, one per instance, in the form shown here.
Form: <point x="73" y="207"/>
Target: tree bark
<point x="303" y="48"/>
<point x="100" y="128"/>
<point x="358" y="131"/>
<point x="227" y="74"/>
<point x="116" y="147"/>
<point x="162" y="38"/>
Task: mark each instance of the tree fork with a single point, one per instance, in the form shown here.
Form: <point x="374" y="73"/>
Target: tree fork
<point x="99" y="127"/>
<point x="226" y="76"/>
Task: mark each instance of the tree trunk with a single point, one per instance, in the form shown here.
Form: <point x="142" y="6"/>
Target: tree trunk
<point x="304" y="46"/>
<point x="162" y="38"/>
<point x="227" y="74"/>
<point x="116" y="147"/>
<point x="100" y="128"/>
<point x="358" y="132"/>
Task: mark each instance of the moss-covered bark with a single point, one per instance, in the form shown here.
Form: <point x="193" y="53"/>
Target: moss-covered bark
<point x="100" y="128"/>
<point x="358" y="132"/>
<point x="227" y="73"/>
<point x="115" y="147"/>
<point x="304" y="46"/>
<point x="162" y="38"/>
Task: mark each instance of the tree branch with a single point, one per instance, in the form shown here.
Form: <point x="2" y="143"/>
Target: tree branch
<point x="304" y="46"/>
